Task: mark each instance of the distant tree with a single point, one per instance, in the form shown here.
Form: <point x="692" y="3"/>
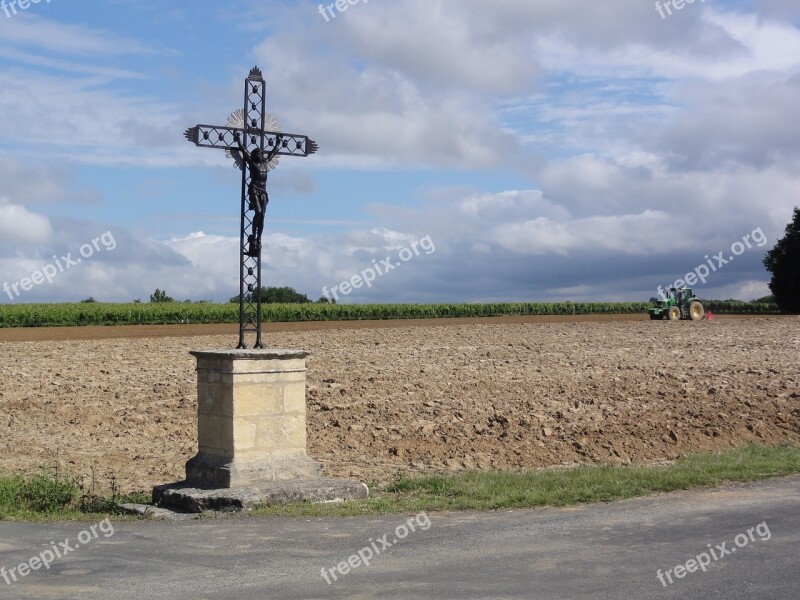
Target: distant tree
<point x="765" y="300"/>
<point x="137" y="301"/>
<point x="160" y="296"/>
<point x="276" y="295"/>
<point x="89" y="300"/>
<point x="326" y="300"/>
<point x="783" y="261"/>
<point x="283" y="295"/>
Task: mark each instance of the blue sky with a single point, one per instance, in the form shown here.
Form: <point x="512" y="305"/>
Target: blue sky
<point x="551" y="150"/>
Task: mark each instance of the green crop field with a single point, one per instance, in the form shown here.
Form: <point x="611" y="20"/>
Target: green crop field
<point x="53" y="315"/>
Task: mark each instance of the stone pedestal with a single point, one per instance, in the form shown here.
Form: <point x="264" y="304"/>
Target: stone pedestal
<point x="251" y="418"/>
<point x="251" y="422"/>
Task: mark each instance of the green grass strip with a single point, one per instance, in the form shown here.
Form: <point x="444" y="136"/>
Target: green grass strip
<point x="48" y="496"/>
<point x="564" y="487"/>
<point x="52" y="495"/>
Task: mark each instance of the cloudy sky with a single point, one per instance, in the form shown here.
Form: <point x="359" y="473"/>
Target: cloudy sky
<point x="548" y="149"/>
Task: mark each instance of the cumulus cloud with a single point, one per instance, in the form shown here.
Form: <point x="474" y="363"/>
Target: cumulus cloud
<point x="89" y="123"/>
<point x="26" y="183"/>
<point x="20" y="226"/>
<point x="564" y="149"/>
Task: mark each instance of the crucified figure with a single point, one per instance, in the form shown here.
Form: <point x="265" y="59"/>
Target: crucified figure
<point x="258" y="163"/>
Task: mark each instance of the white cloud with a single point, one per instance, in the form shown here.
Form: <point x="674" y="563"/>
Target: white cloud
<point x="89" y="123"/>
<point x="736" y="44"/>
<point x="628" y="147"/>
<point x="467" y="57"/>
<point x="68" y="39"/>
<point x="628" y="234"/>
<point x="19" y="226"/>
<point x="745" y="290"/>
<point x="25" y="183"/>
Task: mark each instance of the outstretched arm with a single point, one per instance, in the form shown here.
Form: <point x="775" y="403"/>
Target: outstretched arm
<point x="276" y="148"/>
<point x="242" y="149"/>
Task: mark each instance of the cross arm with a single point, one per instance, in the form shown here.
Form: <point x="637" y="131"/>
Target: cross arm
<point x="210" y="136"/>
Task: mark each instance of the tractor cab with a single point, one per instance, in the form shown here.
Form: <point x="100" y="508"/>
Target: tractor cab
<point x="683" y="296"/>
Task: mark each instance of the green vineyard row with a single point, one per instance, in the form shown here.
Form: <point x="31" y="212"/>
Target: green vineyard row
<point x="54" y="315"/>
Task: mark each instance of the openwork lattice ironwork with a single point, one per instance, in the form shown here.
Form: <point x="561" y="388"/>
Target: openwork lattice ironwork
<point x="254" y="135"/>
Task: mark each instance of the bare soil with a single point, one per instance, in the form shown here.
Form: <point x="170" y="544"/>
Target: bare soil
<point x="518" y="394"/>
<point x="96" y="332"/>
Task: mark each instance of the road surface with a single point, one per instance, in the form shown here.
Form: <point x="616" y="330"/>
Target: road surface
<point x="598" y="551"/>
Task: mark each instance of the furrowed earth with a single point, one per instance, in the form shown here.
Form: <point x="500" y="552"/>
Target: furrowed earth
<point x="491" y="394"/>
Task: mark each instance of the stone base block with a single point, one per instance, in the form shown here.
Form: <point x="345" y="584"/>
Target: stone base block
<point x="183" y="497"/>
<point x="209" y="471"/>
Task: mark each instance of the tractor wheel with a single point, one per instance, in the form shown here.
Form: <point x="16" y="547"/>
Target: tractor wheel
<point x="696" y="311"/>
<point x="674" y="313"/>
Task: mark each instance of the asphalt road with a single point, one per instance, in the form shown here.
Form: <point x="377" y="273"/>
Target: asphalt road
<point x="599" y="551"/>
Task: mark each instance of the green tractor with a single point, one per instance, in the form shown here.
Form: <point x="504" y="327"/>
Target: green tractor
<point x="681" y="304"/>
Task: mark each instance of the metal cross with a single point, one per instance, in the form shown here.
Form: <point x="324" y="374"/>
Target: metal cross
<point x="253" y="134"/>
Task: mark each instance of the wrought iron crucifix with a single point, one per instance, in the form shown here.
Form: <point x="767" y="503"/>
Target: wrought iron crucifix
<point x="254" y="140"/>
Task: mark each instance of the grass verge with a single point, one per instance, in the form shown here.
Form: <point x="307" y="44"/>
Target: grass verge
<point x="499" y="490"/>
<point x="52" y="496"/>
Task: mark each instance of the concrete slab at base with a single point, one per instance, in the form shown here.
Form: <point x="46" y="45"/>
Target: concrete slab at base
<point x="182" y="496"/>
<point x="157" y="514"/>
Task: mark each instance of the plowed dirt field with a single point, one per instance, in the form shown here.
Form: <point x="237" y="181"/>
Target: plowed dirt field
<point x="500" y="394"/>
